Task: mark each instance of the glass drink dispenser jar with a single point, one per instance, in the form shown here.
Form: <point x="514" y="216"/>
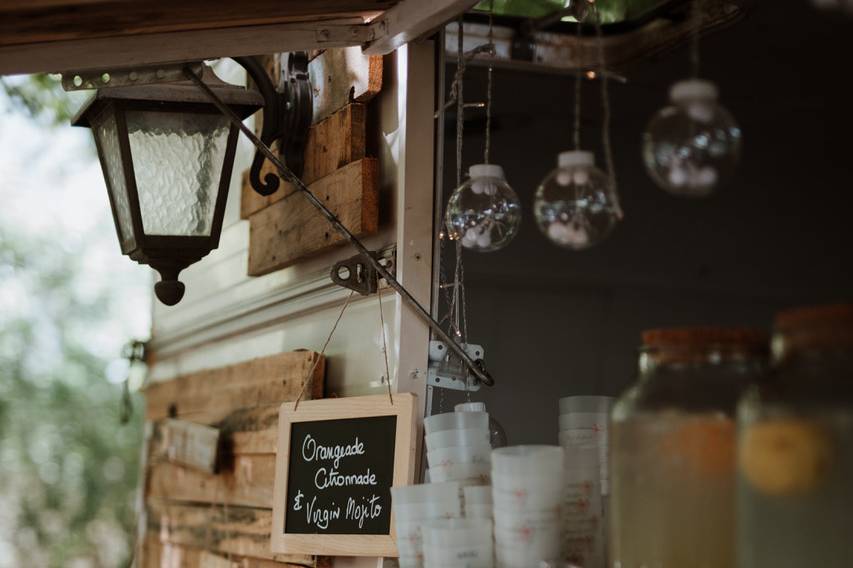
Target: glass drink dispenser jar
<point x="795" y="447"/>
<point x="673" y="440"/>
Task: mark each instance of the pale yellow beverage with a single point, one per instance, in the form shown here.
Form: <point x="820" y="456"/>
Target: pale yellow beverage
<point x="673" y="491"/>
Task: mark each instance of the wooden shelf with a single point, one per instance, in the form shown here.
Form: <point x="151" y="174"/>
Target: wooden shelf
<point x="79" y="35"/>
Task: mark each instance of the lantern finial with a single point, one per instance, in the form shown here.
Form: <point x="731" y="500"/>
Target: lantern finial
<point x="169" y="289"/>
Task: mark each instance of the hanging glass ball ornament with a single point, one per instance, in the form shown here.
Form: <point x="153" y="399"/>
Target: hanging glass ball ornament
<point x="484" y="212"/>
<point x="693" y="145"/>
<point x="575" y="205"/>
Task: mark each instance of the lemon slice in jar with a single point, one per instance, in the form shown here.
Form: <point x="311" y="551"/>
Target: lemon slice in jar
<point x="705" y="445"/>
<point x="785" y="456"/>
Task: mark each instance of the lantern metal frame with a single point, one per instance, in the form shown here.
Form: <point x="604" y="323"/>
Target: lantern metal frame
<point x="168" y="254"/>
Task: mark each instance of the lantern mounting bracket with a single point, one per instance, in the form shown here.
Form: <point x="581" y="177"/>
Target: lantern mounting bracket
<point x="287" y="116"/>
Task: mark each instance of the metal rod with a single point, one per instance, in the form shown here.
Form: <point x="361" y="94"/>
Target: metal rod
<point x="476" y="369"/>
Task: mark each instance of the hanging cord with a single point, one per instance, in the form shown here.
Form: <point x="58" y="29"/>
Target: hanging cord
<point x="697" y="19"/>
<point x="384" y="347"/>
<point x="457" y="297"/>
<point x="606" y="112"/>
<point x="488" y="147"/>
<point x="310" y="378"/>
<point x="460" y="96"/>
<point x="578" y="83"/>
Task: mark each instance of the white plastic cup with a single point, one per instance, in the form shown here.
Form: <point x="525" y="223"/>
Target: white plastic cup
<point x="517" y="519"/>
<point x="460" y="454"/>
<point x="470" y="407"/>
<point x="458" y="542"/>
<point x="456" y="532"/>
<point x="527" y="499"/>
<point x="589" y="404"/>
<point x="535" y="482"/>
<point x="427" y="492"/>
<point x="530" y="543"/>
<point x="461" y="471"/>
<point x="479" y="511"/>
<point x="477" y="495"/>
<point x="411" y="561"/>
<point x="524" y="460"/>
<point x="456" y="421"/>
<point x="584" y="420"/>
<point x="437" y="509"/>
<point x="454" y="438"/>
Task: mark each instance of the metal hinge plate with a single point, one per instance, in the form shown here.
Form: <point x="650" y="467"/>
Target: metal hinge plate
<point x="447" y="372"/>
<point x="357" y="274"/>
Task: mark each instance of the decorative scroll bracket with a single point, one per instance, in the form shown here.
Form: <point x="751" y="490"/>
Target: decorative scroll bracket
<point x="287" y="117"/>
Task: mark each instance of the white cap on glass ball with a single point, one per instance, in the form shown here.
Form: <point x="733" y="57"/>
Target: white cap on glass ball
<point x="486" y="170"/>
<point x="692" y="90"/>
<point x="470" y="407"/>
<point x="575" y="158"/>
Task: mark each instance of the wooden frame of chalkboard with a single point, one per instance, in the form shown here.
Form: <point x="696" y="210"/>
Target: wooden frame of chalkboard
<point x="336" y="462"/>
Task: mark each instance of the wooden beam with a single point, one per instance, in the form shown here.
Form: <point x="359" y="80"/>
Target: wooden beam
<point x="150" y="49"/>
<point x="213" y="395"/>
<point x="332" y="144"/>
<point x="410" y="20"/>
<point x="88" y="20"/>
<point x="242" y="531"/>
<point x="292" y="229"/>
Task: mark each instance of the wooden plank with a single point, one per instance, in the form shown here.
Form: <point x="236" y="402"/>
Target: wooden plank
<point x="332" y="143"/>
<point x="251" y="431"/>
<point x="165" y="555"/>
<point x="341" y="76"/>
<point x="241" y="531"/>
<point x="151" y="49"/>
<point x="291" y="230"/>
<point x="213" y="395"/>
<point x="188" y="444"/>
<point x="410" y="20"/>
<point x="111" y="19"/>
<point x="248" y="482"/>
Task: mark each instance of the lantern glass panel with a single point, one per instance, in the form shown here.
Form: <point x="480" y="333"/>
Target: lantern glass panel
<point x="178" y="160"/>
<point x="106" y="133"/>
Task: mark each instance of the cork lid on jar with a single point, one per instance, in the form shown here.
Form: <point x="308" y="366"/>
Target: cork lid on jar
<point x="813" y="328"/>
<point x="701" y="337"/>
<point x="703" y="344"/>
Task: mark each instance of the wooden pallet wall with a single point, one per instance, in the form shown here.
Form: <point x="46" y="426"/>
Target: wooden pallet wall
<point x="194" y="519"/>
<point x="339" y="168"/>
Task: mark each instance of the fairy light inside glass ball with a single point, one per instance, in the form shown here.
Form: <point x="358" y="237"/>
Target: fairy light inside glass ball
<point x="484" y="212"/>
<point x="693" y="145"/>
<point x="575" y="205"/>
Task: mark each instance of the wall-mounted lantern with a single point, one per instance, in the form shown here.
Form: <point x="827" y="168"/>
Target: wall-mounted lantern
<point x="167" y="154"/>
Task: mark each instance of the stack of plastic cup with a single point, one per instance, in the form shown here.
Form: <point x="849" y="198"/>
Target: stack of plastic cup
<point x="527" y="492"/>
<point x="584" y="421"/>
<point x="415" y="505"/>
<point x="458" y="543"/>
<point x="458" y="447"/>
<point x="583" y="528"/>
<point x="478" y="502"/>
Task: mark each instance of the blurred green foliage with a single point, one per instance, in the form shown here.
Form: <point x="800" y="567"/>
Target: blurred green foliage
<point x="612" y="11"/>
<point x="41" y="96"/>
<point x="68" y="468"/>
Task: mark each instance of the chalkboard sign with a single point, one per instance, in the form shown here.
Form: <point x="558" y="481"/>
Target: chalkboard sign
<point x="337" y="461"/>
